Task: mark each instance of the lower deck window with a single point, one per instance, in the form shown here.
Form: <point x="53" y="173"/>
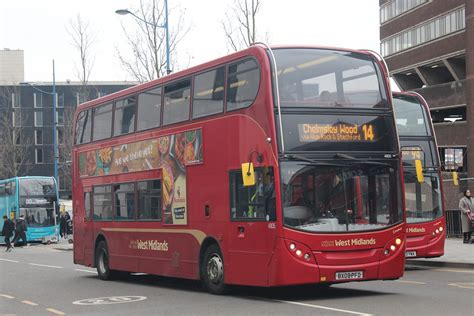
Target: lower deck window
<point x="149" y="200"/>
<point x="103" y="202"/>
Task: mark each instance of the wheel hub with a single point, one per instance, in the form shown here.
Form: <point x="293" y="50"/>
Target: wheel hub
<point x="215" y="269"/>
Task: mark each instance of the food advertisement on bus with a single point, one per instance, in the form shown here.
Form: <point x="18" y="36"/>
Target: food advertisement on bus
<point x="171" y="154"/>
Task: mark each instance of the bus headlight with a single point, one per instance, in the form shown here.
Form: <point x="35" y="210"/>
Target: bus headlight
<point x="398" y="241"/>
<point x="300" y="251"/>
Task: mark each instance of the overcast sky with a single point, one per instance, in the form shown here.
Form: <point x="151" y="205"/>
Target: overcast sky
<point x="40" y="29"/>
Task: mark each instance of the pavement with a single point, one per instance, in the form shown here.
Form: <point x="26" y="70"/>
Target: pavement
<point x="456" y="255"/>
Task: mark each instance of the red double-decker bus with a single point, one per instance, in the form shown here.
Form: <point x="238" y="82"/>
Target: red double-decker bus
<point x="425" y="215"/>
<point x="267" y="167"/>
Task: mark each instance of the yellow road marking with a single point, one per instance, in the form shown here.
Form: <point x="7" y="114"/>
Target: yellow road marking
<point x="30" y="303"/>
<point x="55" y="311"/>
<point x="7" y="296"/>
<point x="410" y="282"/>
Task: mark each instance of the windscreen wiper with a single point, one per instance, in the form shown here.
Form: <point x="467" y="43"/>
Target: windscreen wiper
<point x="312" y="162"/>
<point x="357" y="160"/>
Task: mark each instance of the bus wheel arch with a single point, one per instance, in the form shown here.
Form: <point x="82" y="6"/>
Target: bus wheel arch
<point x="211" y="267"/>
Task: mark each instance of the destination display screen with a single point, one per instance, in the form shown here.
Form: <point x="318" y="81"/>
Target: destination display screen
<point x="409" y="154"/>
<point x="339" y="132"/>
<point x="321" y="132"/>
<point x="418" y="150"/>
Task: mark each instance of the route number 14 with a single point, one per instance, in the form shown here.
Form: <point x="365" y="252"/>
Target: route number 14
<point x="368" y="131"/>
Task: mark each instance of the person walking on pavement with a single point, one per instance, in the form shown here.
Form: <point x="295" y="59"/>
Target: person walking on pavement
<point x="466" y="205"/>
<point x="63" y="226"/>
<point x="7" y="231"/>
<point x="20" y="231"/>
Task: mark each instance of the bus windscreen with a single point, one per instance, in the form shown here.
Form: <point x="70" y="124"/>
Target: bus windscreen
<point x="410" y="118"/>
<point x="328" y="78"/>
<point x="37" y="187"/>
<point x="340" y="198"/>
<point x="37" y="200"/>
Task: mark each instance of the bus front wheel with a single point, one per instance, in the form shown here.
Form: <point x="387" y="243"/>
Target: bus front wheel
<point x="102" y="262"/>
<point x="212" y="270"/>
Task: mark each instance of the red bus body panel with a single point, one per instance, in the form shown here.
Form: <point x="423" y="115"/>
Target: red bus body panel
<point x="254" y="252"/>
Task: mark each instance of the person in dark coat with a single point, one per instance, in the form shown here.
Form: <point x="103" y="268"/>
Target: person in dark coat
<point x="20" y="230"/>
<point x="466" y="205"/>
<point x="7" y="231"/>
<point x="63" y="226"/>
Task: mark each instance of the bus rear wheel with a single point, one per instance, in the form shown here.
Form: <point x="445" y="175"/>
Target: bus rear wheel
<point x="102" y="262"/>
<point x="212" y="270"/>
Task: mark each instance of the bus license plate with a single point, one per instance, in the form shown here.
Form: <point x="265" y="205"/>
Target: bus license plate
<point x="410" y="254"/>
<point x="350" y="275"/>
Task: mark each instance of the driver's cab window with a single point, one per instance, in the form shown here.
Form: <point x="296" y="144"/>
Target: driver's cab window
<point x="256" y="202"/>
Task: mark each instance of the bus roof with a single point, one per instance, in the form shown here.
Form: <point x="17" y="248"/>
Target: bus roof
<point x="252" y="50"/>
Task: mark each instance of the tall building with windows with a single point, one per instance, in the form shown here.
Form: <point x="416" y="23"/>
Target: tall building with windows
<point x="429" y="48"/>
<point x="26" y="116"/>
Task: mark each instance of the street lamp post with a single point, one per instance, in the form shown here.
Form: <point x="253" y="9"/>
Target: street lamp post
<point x="165" y="26"/>
<point x="55" y="143"/>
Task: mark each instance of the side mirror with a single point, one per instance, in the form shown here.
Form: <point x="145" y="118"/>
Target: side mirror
<point x="248" y="174"/>
<point x="419" y="171"/>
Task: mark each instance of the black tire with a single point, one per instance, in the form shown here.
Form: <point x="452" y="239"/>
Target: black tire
<point x="102" y="262"/>
<point x="212" y="270"/>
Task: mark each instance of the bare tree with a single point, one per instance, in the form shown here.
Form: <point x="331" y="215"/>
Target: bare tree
<point x="148" y="43"/>
<point x="66" y="141"/>
<point x="240" y="24"/>
<point x="82" y="40"/>
<point x="14" y="147"/>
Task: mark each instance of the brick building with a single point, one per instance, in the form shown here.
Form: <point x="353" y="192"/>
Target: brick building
<point x="429" y="48"/>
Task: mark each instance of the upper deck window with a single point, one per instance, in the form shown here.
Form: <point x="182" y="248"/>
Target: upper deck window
<point x="83" y="127"/>
<point x="102" y="122"/>
<point x="176" y="102"/>
<point x="242" y="84"/>
<point x="208" y="97"/>
<point x="125" y="111"/>
<point x="326" y="78"/>
<point x="149" y="109"/>
<point x="411" y="121"/>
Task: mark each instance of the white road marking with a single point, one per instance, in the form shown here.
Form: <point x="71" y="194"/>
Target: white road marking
<point x="469" y="285"/>
<point x="55" y="311"/>
<point x="324" y="307"/>
<point x="454" y="270"/>
<point x="9" y="260"/>
<point x="410" y="282"/>
<point x="7" y="296"/>
<point x="44" y="265"/>
<point x="88" y="271"/>
<point x="30" y="303"/>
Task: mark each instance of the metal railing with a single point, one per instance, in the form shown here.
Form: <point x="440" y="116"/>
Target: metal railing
<point x="453" y="223"/>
